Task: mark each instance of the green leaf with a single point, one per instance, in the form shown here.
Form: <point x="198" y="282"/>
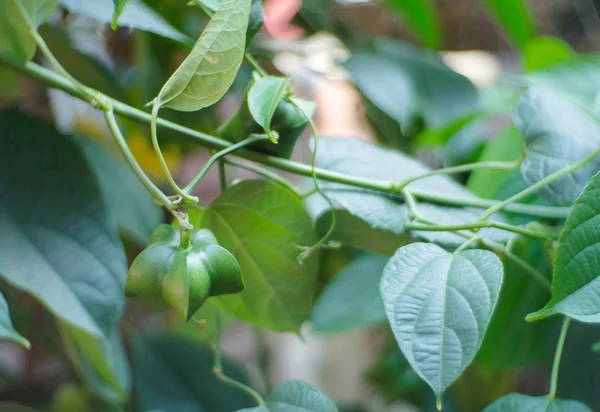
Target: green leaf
<point x="557" y="134"/>
<point x="263" y="98"/>
<point x="510" y="341"/>
<point x="295" y="396"/>
<point x="387" y="213"/>
<point x="57" y="241"/>
<point x="119" y="6"/>
<point x="439" y="305"/>
<point x="210" y="68"/>
<point x="17" y="19"/>
<point x="576" y="280"/>
<point x="352" y="298"/>
<point x="519" y="402"/>
<point x="266" y="228"/>
<point x="506" y="146"/>
<point x="127" y="199"/>
<point x="136" y="15"/>
<point x="174" y="374"/>
<point x="7" y="331"/>
<point x="542" y="52"/>
<point x="422" y="18"/>
<point x="515" y="17"/>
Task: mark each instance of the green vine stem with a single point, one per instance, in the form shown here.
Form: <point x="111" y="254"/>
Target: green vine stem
<point x="218" y="365"/>
<point x="480" y="225"/>
<point x="535" y="187"/>
<point x="557" y="356"/>
<point x="214" y="158"/>
<point x="60" y="82"/>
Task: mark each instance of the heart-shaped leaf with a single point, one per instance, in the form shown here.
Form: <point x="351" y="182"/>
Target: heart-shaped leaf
<point x="439" y="305"/>
<point x="557" y="134"/>
<point x="576" y="278"/>
<point x="295" y="396"/>
<point x="519" y="402"/>
<point x="263" y="98"/>
<point x="266" y="228"/>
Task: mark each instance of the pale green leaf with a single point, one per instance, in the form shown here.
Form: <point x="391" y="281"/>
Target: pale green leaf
<point x="295" y="396"/>
<point x="119" y="6"/>
<point x="388" y="213"/>
<point x="422" y="18"/>
<point x="266" y="228"/>
<point x="576" y="281"/>
<point x="57" y="241"/>
<point x="542" y="52"/>
<point x="17" y="19"/>
<point x="557" y="134"/>
<point x="519" y="402"/>
<point x="439" y="305"/>
<point x="263" y="98"/>
<point x="136" y="14"/>
<point x="7" y="331"/>
<point x="515" y="17"/>
<point x="127" y="199"/>
<point x="352" y="298"/>
<point x="212" y="65"/>
<point x="174" y="374"/>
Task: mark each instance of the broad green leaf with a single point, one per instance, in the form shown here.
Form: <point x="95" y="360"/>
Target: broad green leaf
<point x="17" y="19"/>
<point x="263" y="98"/>
<point x="557" y="134"/>
<point x="295" y="396"/>
<point x="387" y="214"/>
<point x="119" y="6"/>
<point x="578" y="77"/>
<point x="510" y="341"/>
<point x="7" y="331"/>
<point x="506" y="146"/>
<point x="576" y="281"/>
<point x="542" y="52"/>
<point x="404" y="82"/>
<point x="439" y="305"/>
<point x="174" y="374"/>
<point x="515" y="17"/>
<point x="127" y="199"/>
<point x="210" y="68"/>
<point x="136" y="15"/>
<point x="266" y="228"/>
<point x="352" y="298"/>
<point x="519" y="402"/>
<point x="422" y="18"/>
<point x="57" y="241"/>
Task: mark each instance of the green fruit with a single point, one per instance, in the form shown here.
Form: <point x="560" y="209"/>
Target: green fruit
<point x="184" y="269"/>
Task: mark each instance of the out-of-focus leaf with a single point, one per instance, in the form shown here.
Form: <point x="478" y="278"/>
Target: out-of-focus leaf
<point x="295" y="396"/>
<point x="520" y="402"/>
<point x="542" y="52"/>
<point x="422" y="18"/>
<point x="7" y="331"/>
<point x="515" y="17"/>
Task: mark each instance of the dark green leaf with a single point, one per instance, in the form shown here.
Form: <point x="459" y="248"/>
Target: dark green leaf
<point x="210" y="68"/>
<point x="576" y="280"/>
<point x="17" y="19"/>
<point x="7" y="331"/>
<point x="352" y="298"/>
<point x="519" y="402"/>
<point x="174" y="374"/>
<point x="422" y="18"/>
<point x="557" y="134"/>
<point x="137" y="15"/>
<point x="265" y="227"/>
<point x="264" y="97"/>
<point x="127" y="199"/>
<point x="296" y="396"/>
<point x="439" y="305"/>
<point x="510" y="341"/>
<point x="542" y="52"/>
<point x="515" y="17"/>
<point x="57" y="241"/>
